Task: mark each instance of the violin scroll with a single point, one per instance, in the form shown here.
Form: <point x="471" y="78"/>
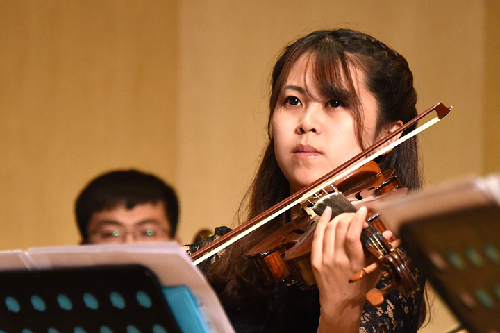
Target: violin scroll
<point x="396" y="268"/>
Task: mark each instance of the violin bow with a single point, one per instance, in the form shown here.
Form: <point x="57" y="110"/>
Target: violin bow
<point x="330" y="178"/>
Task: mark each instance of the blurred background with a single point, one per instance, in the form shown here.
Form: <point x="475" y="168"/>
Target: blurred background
<point x="179" y="88"/>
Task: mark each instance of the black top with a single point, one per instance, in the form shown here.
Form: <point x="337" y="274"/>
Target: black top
<point x="294" y="310"/>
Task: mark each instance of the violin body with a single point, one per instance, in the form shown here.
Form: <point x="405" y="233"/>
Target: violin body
<point x="285" y="255"/>
<point x="268" y="254"/>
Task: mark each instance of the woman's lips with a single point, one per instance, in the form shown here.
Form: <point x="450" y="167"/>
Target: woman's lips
<point x="306" y="151"/>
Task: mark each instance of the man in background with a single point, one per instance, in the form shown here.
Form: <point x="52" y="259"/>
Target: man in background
<point x="127" y="206"/>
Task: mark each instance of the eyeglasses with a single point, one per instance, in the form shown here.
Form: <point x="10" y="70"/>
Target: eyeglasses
<point x="117" y="235"/>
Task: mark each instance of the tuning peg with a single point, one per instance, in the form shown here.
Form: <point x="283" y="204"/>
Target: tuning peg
<point x="363" y="272"/>
<point x="376" y="296"/>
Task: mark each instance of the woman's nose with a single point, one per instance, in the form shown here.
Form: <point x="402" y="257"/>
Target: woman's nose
<point x="309" y="122"/>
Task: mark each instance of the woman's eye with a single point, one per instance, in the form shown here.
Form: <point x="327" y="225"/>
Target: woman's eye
<point x="333" y="103"/>
<point x="292" y="100"/>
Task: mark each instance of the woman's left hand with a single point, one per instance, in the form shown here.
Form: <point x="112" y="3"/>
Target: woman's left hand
<point x="336" y="255"/>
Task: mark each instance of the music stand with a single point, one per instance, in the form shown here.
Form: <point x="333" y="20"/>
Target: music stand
<point x="104" y="299"/>
<point x="452" y="234"/>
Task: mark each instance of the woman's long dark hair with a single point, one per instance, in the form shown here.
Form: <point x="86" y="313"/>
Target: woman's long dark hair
<point x="334" y="54"/>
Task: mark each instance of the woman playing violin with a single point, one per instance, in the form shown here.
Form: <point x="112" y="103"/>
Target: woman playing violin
<point x="333" y="94"/>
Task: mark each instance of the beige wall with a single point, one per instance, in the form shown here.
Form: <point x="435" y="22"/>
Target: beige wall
<point x="179" y="88"/>
<point x="85" y="86"/>
<point x="491" y="93"/>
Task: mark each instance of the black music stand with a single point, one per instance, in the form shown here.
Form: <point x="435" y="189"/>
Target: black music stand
<point x="100" y="299"/>
<point x="455" y="241"/>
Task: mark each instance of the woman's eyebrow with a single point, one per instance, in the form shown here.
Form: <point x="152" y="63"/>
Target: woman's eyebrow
<point x="294" y="87"/>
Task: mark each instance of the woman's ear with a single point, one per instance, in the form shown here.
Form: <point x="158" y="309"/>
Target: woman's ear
<point x="388" y="129"/>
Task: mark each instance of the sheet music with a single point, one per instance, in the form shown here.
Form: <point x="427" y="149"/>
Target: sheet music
<point x="447" y="197"/>
<point x="167" y="259"/>
<point x="15" y="259"/>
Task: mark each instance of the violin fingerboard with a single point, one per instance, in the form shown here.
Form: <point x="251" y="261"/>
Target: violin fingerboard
<point x="337" y="201"/>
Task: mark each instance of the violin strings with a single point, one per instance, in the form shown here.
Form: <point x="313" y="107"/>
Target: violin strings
<point x="373" y="239"/>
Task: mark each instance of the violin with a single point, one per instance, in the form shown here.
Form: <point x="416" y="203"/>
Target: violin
<point x="286" y="253"/>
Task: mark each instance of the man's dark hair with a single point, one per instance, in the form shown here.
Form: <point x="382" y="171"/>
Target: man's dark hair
<point x="127" y="187"/>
